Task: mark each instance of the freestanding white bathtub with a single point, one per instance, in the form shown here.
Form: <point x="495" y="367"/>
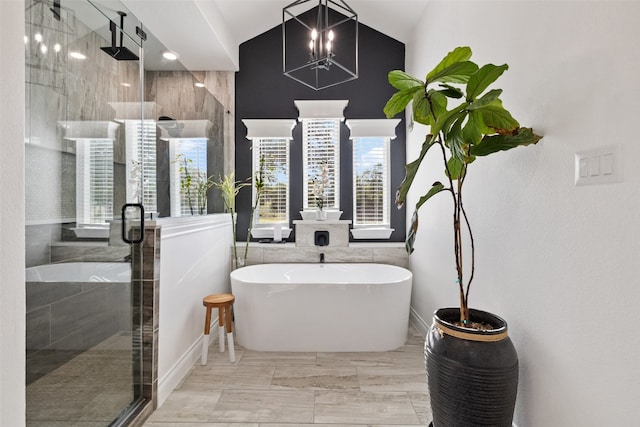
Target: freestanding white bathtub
<point x="321" y="307"/>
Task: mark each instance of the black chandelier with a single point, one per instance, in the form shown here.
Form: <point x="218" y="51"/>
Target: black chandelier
<point x="320" y="44"/>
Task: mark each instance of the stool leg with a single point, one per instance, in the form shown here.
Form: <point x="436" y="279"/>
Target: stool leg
<point x="221" y="327"/>
<point x="232" y="350"/>
<point x="205" y="338"/>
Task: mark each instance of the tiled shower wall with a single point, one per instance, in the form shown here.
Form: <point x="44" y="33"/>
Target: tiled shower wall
<point x="59" y="90"/>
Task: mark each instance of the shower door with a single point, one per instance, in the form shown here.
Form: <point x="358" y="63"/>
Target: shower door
<point x="84" y="163"/>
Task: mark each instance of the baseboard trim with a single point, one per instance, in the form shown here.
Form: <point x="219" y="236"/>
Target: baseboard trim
<point x="418" y="322"/>
<point x="182" y="367"/>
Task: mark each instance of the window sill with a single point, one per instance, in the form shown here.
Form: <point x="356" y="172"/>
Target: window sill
<point x="267" y="232"/>
<point x="371" y="233"/>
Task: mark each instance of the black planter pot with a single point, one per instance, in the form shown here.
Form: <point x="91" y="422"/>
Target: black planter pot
<point x="472" y="375"/>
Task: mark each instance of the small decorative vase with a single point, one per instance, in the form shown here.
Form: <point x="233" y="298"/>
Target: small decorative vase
<point x="321" y="215"/>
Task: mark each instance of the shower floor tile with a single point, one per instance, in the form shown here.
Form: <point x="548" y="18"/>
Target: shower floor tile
<point x="87" y="391"/>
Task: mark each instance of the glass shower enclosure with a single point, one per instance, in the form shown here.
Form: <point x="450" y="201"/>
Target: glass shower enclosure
<point x="86" y="163"/>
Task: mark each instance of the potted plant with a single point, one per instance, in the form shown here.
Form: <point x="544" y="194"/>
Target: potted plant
<point x="230" y="188"/>
<point x="472" y="366"/>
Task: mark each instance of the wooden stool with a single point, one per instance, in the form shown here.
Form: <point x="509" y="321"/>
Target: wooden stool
<point x="223" y="303"/>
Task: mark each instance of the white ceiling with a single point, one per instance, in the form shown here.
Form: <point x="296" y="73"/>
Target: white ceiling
<point x="207" y="33"/>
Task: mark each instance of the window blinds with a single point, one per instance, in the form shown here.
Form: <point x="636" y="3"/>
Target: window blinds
<point x="321" y="143"/>
<point x="94" y="179"/>
<point x="271" y="163"/>
<point x="371" y="181"/>
<point x="141" y="163"/>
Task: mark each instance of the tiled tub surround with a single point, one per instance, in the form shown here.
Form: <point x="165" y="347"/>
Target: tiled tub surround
<point x="378" y="253"/>
<point x="338" y="232"/>
<point x="72" y="307"/>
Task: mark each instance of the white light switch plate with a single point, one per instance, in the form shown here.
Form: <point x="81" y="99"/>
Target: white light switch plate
<point x="599" y="166"/>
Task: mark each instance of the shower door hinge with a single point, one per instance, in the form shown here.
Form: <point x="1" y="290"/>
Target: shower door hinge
<point x="140" y="32"/>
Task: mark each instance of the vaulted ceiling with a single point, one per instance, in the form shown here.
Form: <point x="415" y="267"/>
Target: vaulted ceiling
<point x="206" y="33"/>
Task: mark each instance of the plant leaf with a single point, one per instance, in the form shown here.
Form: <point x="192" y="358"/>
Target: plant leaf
<point x="422" y="109"/>
<point x="445" y="119"/>
<point x="458" y="72"/>
<point x="411" y="236"/>
<point x="474" y="129"/>
<point x="398" y="102"/>
<point x="438" y="103"/>
<point x="498" y="118"/>
<point x="454" y="140"/>
<point x="402" y="81"/>
<point x="485" y="99"/>
<point x="410" y="171"/>
<point x="450" y="91"/>
<point x="454" y="168"/>
<point x="493" y="143"/>
<point x="459" y="54"/>
<point x="481" y="79"/>
<point x="436" y="188"/>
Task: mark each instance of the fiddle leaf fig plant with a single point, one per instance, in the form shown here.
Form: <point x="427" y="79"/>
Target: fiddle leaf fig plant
<point x="476" y="126"/>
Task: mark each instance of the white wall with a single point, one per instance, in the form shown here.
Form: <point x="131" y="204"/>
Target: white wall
<point x="556" y="260"/>
<point x="194" y="262"/>
<point x="12" y="290"/>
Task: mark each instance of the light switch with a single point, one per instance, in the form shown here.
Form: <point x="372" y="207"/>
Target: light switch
<point x="594" y="165"/>
<point x="599" y="166"/>
<point x="607" y="164"/>
<point x="584" y="168"/>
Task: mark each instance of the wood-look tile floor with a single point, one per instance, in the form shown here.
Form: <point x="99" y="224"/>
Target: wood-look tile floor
<point x="284" y="389"/>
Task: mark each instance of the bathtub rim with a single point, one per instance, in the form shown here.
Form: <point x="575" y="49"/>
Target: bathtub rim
<point x="237" y="274"/>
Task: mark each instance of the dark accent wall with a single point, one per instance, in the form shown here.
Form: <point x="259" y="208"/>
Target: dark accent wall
<point x="263" y="92"/>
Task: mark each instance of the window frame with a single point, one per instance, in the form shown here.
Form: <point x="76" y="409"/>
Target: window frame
<point x="271" y="129"/>
<point x="256" y="163"/>
<point x="373" y="128"/>
<point x="386" y="182"/>
<point x="332" y="160"/>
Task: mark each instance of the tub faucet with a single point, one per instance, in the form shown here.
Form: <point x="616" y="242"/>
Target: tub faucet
<point x="321" y="258"/>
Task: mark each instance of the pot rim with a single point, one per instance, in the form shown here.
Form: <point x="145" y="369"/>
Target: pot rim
<point x="444" y="318"/>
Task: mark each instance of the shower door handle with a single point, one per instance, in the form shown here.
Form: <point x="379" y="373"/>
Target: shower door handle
<point x="132" y="213"/>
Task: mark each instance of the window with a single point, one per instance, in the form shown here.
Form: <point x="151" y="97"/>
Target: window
<point x="270" y="153"/>
<point x="94" y="179"/>
<point x="371" y="177"/>
<point x="371" y="182"/>
<point x="189" y="166"/>
<point x="271" y="163"/>
<point x="141" y="163"/>
<point x="321" y="149"/>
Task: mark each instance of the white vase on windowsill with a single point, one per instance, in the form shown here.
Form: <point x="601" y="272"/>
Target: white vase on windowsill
<point x="321" y="215"/>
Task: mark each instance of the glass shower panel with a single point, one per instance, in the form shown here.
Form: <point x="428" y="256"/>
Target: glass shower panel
<point x="84" y="93"/>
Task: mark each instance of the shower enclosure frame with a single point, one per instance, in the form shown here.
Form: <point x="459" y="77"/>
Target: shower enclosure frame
<point x="143" y="295"/>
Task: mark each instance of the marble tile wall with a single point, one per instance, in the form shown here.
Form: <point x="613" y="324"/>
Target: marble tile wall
<point x="380" y="253"/>
<point x="338" y="232"/>
<point x="61" y="89"/>
<point x="67" y="318"/>
<point x="175" y="96"/>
